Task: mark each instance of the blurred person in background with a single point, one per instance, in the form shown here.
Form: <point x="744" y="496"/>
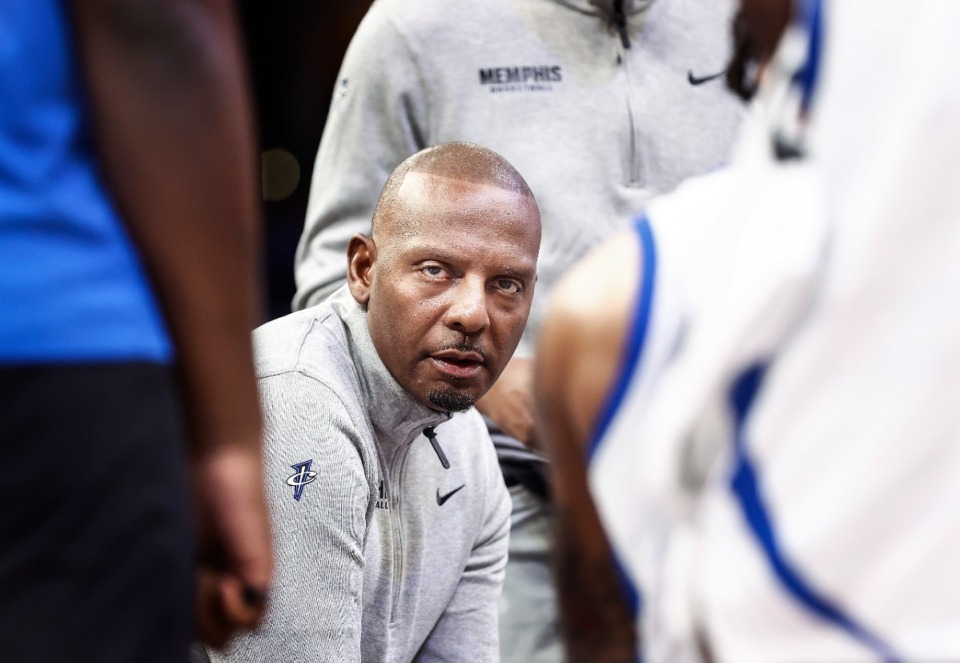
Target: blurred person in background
<point x="128" y="239"/>
<point x="602" y="104"/>
<point x="772" y="452"/>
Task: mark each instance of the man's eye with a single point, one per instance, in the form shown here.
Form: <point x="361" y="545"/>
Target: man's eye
<point x="509" y="286"/>
<point x="432" y="270"/>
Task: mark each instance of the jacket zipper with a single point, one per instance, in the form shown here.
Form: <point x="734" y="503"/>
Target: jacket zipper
<point x="395" y="520"/>
<point x="395" y="525"/>
<point x="634" y="165"/>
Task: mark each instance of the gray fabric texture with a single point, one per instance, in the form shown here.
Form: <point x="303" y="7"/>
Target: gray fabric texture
<point x="529" y="624"/>
<point x="371" y="571"/>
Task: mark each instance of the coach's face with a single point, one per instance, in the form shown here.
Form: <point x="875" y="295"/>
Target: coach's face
<point x="448" y="279"/>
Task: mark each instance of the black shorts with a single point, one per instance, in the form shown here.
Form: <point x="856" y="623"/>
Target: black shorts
<point x="96" y="542"/>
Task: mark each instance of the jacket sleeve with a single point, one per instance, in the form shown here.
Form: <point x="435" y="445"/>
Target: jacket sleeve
<point x="468" y="628"/>
<point x="314" y="607"/>
<point x="376" y="120"/>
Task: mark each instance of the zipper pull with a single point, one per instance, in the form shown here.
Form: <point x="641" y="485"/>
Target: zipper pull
<point x="428" y="431"/>
<point x="620" y="20"/>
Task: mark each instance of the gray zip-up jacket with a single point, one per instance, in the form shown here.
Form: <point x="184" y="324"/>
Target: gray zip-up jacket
<point x="595" y="119"/>
<point x="382" y="554"/>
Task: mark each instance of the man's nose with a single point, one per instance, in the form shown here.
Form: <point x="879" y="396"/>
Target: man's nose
<point x="467" y="312"/>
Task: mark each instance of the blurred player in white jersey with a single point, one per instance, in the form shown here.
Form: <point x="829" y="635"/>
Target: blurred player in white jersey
<point x="774" y="451"/>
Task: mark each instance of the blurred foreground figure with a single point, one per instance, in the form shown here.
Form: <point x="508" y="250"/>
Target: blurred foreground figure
<point x="127" y="292"/>
<point x="774" y="451"/>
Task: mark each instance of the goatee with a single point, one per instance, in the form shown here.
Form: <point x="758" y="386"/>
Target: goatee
<point x="449" y="399"/>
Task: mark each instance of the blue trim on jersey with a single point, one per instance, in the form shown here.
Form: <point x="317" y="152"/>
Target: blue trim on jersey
<point x="630" y="591"/>
<point x="634" y="351"/>
<point x="746" y="487"/>
<point x="636" y="337"/>
<point x="811" y="16"/>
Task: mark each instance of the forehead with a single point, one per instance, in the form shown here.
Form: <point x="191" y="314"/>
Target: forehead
<point x="447" y="212"/>
<point x="421" y="192"/>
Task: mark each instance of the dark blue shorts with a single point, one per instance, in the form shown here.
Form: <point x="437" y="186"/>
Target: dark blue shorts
<point x="96" y="542"/>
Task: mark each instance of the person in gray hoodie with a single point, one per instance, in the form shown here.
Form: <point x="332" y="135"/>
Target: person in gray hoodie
<point x="600" y="103"/>
<point x="391" y="518"/>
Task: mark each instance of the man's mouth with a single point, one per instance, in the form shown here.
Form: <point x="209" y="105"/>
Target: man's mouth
<point x="458" y="364"/>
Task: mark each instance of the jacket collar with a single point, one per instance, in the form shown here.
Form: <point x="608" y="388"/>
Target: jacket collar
<point x="394" y="413"/>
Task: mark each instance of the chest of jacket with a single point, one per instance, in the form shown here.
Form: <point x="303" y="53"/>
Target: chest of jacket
<point x="423" y="527"/>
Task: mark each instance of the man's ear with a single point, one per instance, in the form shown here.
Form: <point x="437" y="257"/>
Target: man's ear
<point x="361" y="255"/>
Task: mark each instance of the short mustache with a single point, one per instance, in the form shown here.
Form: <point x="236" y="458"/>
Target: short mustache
<point x="463" y="346"/>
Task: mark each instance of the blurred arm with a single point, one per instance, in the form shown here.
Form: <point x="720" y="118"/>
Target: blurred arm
<point x="509" y="403"/>
<point x="578" y="355"/>
<point x="172" y="123"/>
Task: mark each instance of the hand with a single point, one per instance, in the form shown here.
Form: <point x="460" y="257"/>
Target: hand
<point x="236" y="557"/>
<point x="509" y="403"/>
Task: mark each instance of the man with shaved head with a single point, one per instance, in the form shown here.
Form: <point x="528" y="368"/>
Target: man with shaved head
<point x="390" y="513"/>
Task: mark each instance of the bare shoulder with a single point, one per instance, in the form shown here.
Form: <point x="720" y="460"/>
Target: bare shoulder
<point x="583" y="333"/>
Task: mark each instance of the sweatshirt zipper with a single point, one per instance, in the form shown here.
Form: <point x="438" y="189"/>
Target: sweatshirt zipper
<point x="401" y="462"/>
<point x="633" y="161"/>
<point x="395" y="526"/>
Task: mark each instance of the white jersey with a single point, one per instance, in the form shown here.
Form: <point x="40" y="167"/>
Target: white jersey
<point x="787" y="488"/>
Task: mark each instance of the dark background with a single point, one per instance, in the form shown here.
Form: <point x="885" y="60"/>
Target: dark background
<point x="295" y="48"/>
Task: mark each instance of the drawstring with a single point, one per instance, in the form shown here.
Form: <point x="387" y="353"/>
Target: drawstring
<point x="428" y="431"/>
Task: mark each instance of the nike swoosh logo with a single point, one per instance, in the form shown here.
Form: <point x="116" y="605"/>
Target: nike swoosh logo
<point x="443" y="498"/>
<point x="700" y="80"/>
